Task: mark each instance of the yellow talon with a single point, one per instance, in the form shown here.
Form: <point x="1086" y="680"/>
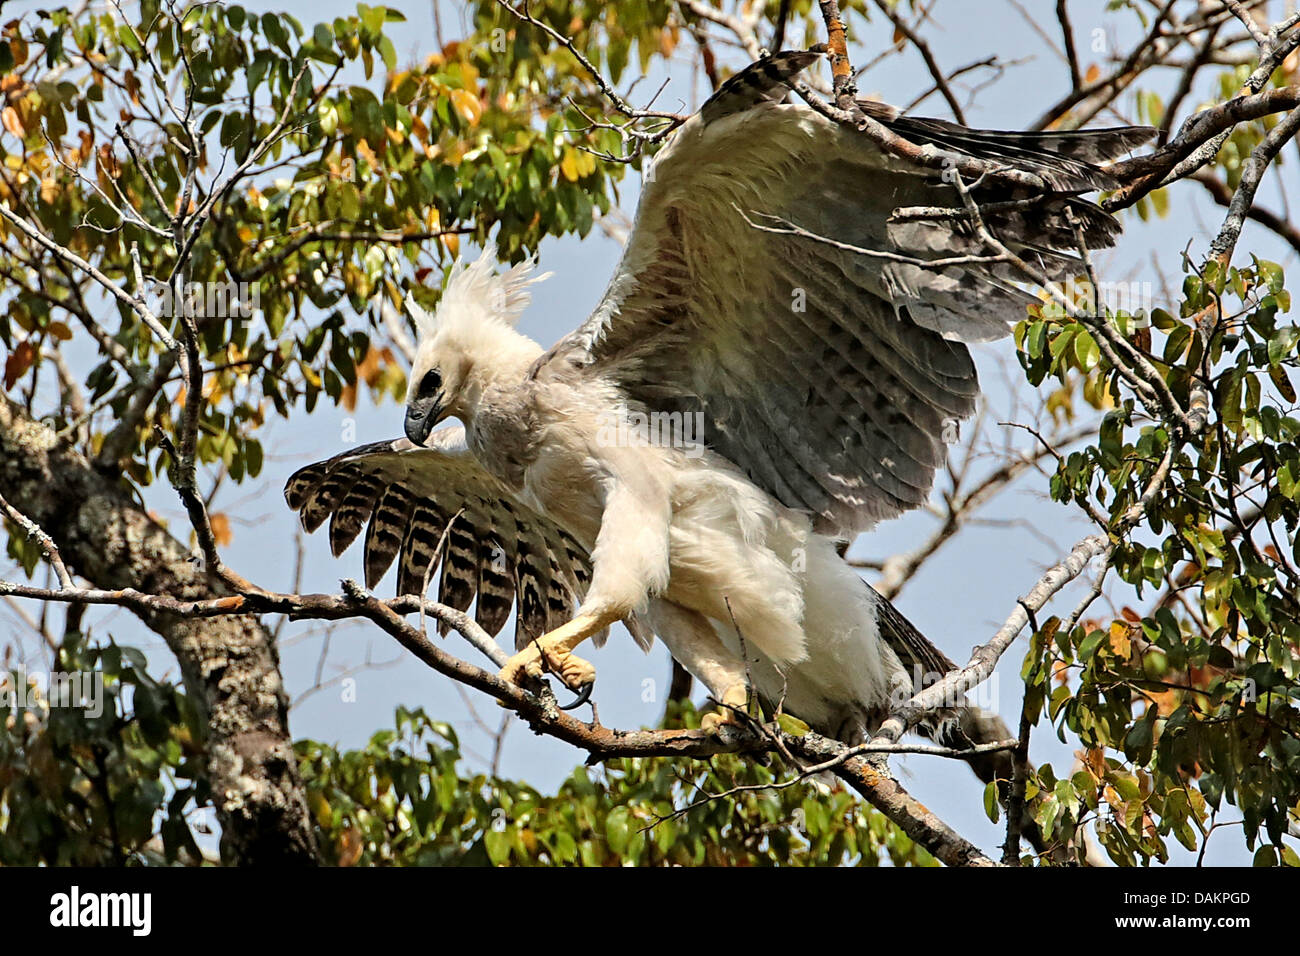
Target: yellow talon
<point x="552" y="653"/>
<point x="735" y="700"/>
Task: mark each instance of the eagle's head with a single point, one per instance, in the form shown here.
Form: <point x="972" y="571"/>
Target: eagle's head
<point x="469" y="342"/>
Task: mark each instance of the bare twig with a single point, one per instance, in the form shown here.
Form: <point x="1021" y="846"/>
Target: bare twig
<point x="985" y="657"/>
<point x="47" y="544"/>
<point x="927" y="56"/>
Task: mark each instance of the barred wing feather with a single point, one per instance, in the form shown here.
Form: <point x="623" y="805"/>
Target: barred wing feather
<point x="436" y="509"/>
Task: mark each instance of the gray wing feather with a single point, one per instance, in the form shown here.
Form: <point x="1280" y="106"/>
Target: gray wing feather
<point x="828" y="376"/>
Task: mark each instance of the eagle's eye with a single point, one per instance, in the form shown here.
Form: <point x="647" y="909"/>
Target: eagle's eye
<point x="430" y="384"/>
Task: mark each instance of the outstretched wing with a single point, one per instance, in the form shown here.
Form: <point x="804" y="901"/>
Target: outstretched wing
<point x="830" y="376"/>
<point x="432" y="506"/>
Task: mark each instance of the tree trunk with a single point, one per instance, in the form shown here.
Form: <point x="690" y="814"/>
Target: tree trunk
<point x="230" y="665"/>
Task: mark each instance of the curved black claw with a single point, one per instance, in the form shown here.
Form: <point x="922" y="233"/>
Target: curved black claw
<point x="584" y="695"/>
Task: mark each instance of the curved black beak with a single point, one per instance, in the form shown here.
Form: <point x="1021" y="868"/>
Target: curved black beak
<point x="421" y="416"/>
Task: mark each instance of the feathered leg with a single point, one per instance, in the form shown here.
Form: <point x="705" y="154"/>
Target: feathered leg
<point x="691" y="639"/>
<point x="629" y="562"/>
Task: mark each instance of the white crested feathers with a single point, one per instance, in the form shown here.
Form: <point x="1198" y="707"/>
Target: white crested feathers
<point x="476" y="295"/>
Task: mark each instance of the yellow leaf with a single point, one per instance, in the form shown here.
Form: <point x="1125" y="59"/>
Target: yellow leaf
<point x="221" y="529"/>
<point x="12" y="123"/>
<point x="419" y="129"/>
<point x="576" y="163"/>
<point x="324" y="812"/>
<point x="792" y="725"/>
<point x="452" y="243"/>
<point x="350" y="847"/>
<point x="569" y="164"/>
<point x="1120" y="641"/>
<point x="1160" y="199"/>
<point x="1093" y="74"/>
<point x="455" y="152"/>
<point x="365" y="152"/>
<point x="668" y="38"/>
<point x="60" y="331"/>
<point x="467" y="105"/>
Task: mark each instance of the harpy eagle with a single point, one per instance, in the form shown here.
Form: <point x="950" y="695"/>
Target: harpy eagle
<point x="823" y="380"/>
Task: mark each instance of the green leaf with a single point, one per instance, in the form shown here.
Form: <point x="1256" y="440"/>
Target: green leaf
<point x="1265" y="856"/>
<point x="372" y="17"/>
<point x="388" y="53"/>
<point x="617" y="829"/>
<point x="792" y="725"/>
<point x="1282" y="343"/>
<point x="127" y="37"/>
<point x="1086" y="350"/>
<point x="1162" y="320"/>
<point x="497" y="844"/>
<point x="991" y="805"/>
<point x="275" y="31"/>
<point x="1036" y="340"/>
<point x="1177" y="343"/>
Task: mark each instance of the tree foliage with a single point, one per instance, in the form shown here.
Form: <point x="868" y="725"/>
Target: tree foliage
<point x="1190" y="704"/>
<point x="403" y="800"/>
<point x="109" y="778"/>
<point x="124" y="787"/>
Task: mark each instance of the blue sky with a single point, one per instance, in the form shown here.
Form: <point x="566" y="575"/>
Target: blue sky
<point x="959" y="598"/>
